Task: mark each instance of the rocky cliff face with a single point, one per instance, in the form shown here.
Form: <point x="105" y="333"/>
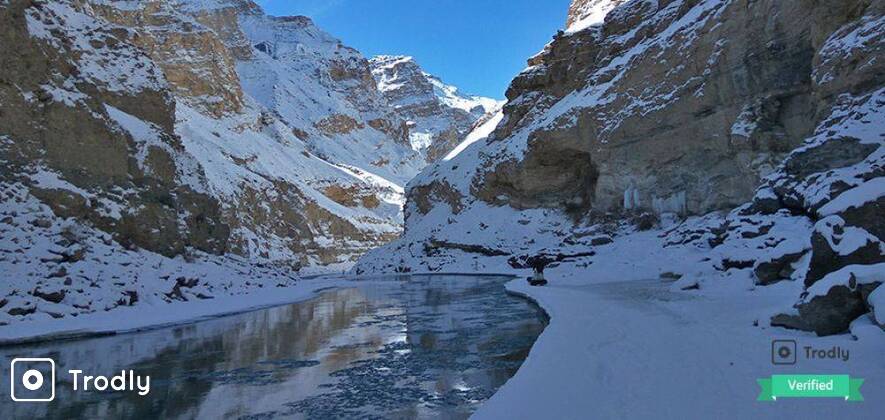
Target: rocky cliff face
<point x="675" y="109"/>
<point x="68" y="120"/>
<point x="194" y="58"/>
<point x="182" y="149"/>
<point x="92" y="167"/>
<point x="439" y="116"/>
<point x="285" y="124"/>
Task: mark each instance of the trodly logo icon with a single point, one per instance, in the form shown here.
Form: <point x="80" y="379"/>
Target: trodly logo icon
<point x="32" y="380"/>
<point x="783" y="352"/>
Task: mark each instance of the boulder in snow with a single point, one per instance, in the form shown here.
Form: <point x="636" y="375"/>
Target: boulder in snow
<point x="54" y="295"/>
<point x="776" y="268"/>
<point x="839" y="298"/>
<point x="832" y="313"/>
<point x="836" y="245"/>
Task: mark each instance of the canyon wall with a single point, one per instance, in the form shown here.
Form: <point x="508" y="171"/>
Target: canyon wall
<point x="166" y="150"/>
<point x="743" y="112"/>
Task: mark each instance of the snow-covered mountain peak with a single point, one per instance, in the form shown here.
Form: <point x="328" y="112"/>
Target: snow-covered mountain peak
<point x="392" y="72"/>
<point x="453" y="97"/>
<point x="440" y="116"/>
<point x="391" y="60"/>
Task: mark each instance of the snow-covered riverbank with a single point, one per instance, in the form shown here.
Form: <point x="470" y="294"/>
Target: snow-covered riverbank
<point x="635" y="350"/>
<point x="146" y="317"/>
<point x="622" y="343"/>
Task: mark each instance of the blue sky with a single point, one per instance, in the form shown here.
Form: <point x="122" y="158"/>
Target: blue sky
<point x="477" y="45"/>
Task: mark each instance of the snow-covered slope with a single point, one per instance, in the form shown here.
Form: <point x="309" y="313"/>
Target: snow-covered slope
<point x="439" y="115"/>
<point x="751" y="131"/>
<point x="482" y="129"/>
<point x="585" y="13"/>
<point x="314" y="83"/>
<point x="297" y="143"/>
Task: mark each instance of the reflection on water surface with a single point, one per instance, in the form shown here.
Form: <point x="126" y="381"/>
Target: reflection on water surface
<point x="413" y="346"/>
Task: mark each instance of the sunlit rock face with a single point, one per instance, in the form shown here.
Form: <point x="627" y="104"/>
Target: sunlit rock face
<point x="202" y="125"/>
<point x="439" y="116"/>
<point x="193" y="56"/>
<point x="66" y="120"/>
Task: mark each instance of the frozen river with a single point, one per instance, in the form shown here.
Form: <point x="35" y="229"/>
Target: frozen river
<point x="401" y="347"/>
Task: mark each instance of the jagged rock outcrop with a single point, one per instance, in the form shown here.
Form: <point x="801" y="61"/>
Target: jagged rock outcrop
<point x="195" y="60"/>
<point x="680" y="108"/>
<point x="439" y="116"/>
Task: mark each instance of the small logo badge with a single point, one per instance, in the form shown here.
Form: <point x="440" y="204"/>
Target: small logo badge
<point x="32" y="380"/>
<point x="783" y="352"/>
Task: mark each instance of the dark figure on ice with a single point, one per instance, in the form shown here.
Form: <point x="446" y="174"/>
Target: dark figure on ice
<point x="538" y="263"/>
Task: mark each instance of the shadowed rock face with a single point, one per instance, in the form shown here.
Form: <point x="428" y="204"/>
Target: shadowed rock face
<point x="701" y="113"/>
<point x="557" y="172"/>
